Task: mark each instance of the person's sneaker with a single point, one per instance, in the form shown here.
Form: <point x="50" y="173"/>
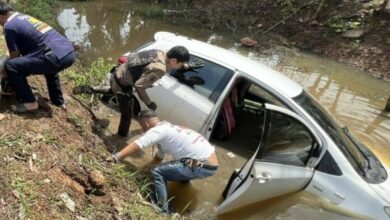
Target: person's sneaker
<point x="62" y="106"/>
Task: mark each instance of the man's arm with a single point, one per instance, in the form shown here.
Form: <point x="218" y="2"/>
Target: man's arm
<point x="150" y="138"/>
<point x="129" y="149"/>
<point x="11" y="39"/>
<point x="146" y="81"/>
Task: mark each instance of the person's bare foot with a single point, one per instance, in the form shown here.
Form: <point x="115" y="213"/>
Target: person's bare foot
<point x="25" y="107"/>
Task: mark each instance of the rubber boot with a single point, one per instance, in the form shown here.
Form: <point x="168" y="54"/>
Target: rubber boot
<point x="126" y="103"/>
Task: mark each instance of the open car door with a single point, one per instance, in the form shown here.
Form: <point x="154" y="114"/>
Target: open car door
<point x="187" y="97"/>
<point x="283" y="162"/>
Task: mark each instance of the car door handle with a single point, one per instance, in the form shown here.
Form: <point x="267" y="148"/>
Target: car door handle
<point x="264" y="177"/>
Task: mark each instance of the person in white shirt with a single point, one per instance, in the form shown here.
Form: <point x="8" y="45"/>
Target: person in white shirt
<point x="193" y="156"/>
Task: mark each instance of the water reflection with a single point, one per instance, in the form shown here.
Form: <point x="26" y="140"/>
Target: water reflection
<point x="355" y="98"/>
<point x="110" y="28"/>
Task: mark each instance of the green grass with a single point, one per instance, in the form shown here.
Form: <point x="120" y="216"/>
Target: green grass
<point x="11" y="141"/>
<point x="27" y="195"/>
<point x="50" y="139"/>
<point x="76" y="120"/>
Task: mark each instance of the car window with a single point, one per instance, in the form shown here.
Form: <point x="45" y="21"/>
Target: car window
<point x="362" y="160"/>
<point x="208" y="81"/>
<point x="258" y="94"/>
<point x="289" y="141"/>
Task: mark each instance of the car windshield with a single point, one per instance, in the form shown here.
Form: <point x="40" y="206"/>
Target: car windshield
<point x="356" y="153"/>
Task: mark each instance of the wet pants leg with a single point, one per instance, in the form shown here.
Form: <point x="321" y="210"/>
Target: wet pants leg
<point x="126" y="103"/>
<point x="174" y="171"/>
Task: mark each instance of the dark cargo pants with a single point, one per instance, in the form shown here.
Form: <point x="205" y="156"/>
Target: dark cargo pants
<point x="126" y="105"/>
<point x="47" y="64"/>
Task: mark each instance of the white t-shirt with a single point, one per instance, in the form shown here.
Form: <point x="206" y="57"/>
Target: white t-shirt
<point x="179" y="141"/>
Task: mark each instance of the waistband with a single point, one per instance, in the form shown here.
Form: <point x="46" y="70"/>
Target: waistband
<point x="193" y="163"/>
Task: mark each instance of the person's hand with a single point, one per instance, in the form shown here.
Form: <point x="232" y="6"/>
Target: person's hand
<point x="82" y="89"/>
<point x="113" y="158"/>
<point x="196" y="64"/>
<point x="152" y="106"/>
<point x="110" y="159"/>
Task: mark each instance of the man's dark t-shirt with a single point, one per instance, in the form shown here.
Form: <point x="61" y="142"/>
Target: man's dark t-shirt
<point x="31" y="36"/>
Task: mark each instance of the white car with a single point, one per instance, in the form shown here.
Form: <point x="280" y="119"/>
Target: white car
<point x="298" y="144"/>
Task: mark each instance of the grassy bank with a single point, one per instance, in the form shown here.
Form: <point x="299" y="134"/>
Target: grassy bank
<point x="49" y="159"/>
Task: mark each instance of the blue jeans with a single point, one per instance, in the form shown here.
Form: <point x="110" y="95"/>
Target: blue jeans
<point x="45" y="63"/>
<point x="174" y="171"/>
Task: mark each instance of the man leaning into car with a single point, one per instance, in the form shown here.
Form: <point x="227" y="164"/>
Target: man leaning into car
<point x="140" y="71"/>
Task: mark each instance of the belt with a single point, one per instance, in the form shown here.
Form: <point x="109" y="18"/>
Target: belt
<point x="124" y="88"/>
<point x="193" y="163"/>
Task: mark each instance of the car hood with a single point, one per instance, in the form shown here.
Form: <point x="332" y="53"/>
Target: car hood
<point x="383" y="190"/>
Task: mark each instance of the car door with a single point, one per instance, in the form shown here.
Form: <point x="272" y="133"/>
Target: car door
<point x="187" y="97"/>
<point x="283" y="162"/>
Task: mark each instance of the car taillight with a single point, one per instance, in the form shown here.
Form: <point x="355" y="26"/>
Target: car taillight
<point x="122" y="59"/>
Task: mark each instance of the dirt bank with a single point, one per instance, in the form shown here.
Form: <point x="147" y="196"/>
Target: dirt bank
<point x="354" y="32"/>
<point x="53" y="165"/>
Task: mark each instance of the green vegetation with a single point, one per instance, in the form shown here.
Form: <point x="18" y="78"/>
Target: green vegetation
<point x="151" y="11"/>
<point x="25" y="191"/>
<point x="339" y="25"/>
<point x="41" y="9"/>
<point x="11" y="141"/>
<point x="92" y="76"/>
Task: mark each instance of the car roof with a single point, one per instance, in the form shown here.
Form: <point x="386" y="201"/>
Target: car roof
<point x="234" y="60"/>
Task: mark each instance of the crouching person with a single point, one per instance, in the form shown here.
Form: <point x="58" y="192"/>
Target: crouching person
<point x="34" y="48"/>
<point x="193" y="156"/>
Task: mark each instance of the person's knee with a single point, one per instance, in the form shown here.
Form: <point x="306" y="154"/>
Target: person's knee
<point x="10" y="68"/>
<point x="156" y="173"/>
<point x="70" y="59"/>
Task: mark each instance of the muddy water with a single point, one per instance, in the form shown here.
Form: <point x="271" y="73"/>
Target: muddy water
<point x="111" y="28"/>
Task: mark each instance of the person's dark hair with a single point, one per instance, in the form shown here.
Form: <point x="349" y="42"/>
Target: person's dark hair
<point x="5" y="8"/>
<point x="180" y="53"/>
<point x="146" y="114"/>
